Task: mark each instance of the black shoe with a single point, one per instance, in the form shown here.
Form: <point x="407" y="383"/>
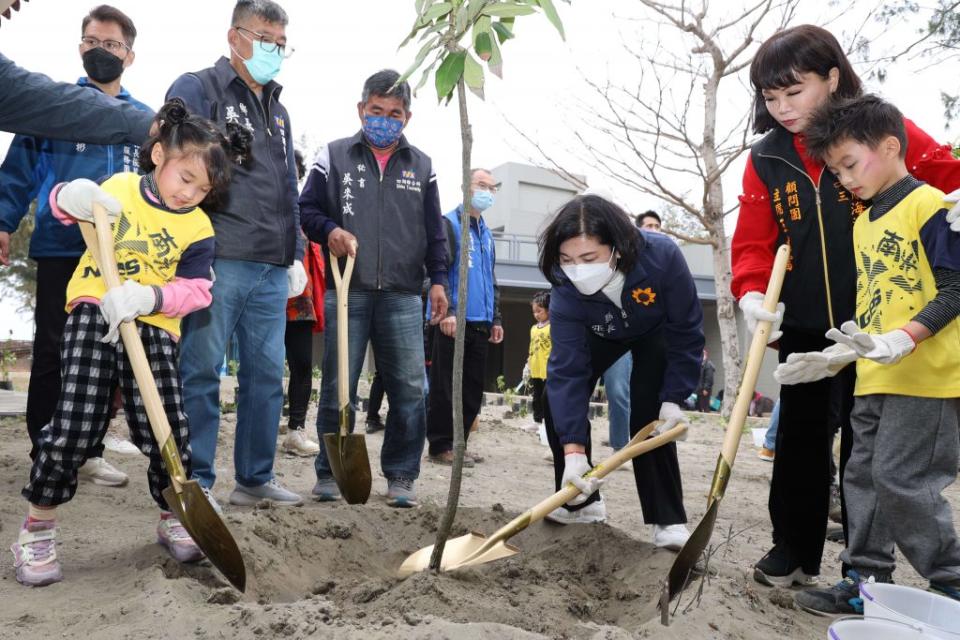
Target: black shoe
<point x="841" y="599"/>
<point x="779" y="569"/>
<point x="374" y="424"/>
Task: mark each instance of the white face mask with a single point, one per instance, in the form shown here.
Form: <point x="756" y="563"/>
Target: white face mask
<point x="590" y="277"/>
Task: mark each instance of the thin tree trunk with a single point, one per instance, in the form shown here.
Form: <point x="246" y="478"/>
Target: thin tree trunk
<point x="713" y="212"/>
<point x="459" y="444"/>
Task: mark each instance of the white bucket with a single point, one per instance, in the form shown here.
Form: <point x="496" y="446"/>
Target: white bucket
<point x="856" y="628"/>
<point x="758" y="437"/>
<point x="938" y="615"/>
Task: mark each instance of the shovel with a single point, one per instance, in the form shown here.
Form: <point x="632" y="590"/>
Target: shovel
<point x="686" y="560"/>
<point x="184" y="497"/>
<point x="475" y="548"/>
<point x="346" y="452"/>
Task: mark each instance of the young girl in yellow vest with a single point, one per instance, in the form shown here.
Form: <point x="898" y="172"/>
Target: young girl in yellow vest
<point x="164" y="250"/>
<point x="536" y="367"/>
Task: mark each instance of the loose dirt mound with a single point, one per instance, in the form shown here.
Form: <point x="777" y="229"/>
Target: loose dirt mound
<point x="349" y="556"/>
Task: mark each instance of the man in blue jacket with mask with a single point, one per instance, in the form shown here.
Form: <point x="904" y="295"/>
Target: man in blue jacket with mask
<point x="32" y="167"/>
<point x="482" y="319"/>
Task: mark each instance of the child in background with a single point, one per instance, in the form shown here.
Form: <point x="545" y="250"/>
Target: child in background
<point x="536" y="368"/>
<point x="904" y="338"/>
<point x="164" y="248"/>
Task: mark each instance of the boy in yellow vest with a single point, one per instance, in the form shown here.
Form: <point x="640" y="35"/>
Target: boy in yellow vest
<point x="905" y="339"/>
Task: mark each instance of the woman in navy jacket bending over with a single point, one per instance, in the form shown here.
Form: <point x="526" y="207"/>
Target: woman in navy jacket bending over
<point x="617" y="289"/>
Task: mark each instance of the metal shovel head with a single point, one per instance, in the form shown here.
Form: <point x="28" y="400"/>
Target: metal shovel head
<point x="464" y="551"/>
<point x="208" y="530"/>
<point x="687" y="559"/>
<point x="350" y="465"/>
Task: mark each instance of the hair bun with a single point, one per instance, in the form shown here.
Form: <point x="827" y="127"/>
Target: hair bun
<point x="240" y="142"/>
<point x="172" y="113"/>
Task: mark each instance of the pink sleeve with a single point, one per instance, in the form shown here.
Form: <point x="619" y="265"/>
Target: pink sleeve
<point x="58" y="213"/>
<point x="185" y="295"/>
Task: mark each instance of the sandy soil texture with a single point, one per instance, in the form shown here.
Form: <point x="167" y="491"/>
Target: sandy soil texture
<point x="327" y="571"/>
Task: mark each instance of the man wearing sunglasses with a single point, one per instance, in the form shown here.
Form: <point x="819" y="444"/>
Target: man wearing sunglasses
<point x="259" y="257"/>
<point x="32" y="167"/>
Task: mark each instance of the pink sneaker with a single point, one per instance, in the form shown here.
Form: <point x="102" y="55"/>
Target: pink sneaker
<point x="172" y="535"/>
<point x="35" y="554"/>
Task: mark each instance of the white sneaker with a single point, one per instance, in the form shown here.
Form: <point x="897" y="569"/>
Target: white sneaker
<point x="101" y="472"/>
<point x="298" y="444"/>
<point x="592" y="513"/>
<point x="119" y="445"/>
<point x="671" y="536"/>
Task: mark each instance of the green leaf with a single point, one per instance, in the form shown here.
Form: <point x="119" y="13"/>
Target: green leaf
<point x="425" y="75"/>
<point x="449" y="73"/>
<point x="482" y="37"/>
<point x="503" y="10"/>
<point x="551" y="12"/>
<point x="421" y="56"/>
<point x="437" y="11"/>
<point x="483" y="46"/>
<point x="460" y="24"/>
<point x="473" y="75"/>
<point x="495" y="63"/>
<point x="503" y="31"/>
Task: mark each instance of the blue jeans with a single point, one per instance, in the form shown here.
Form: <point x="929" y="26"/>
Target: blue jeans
<point x="770" y="440"/>
<point x="392" y="322"/>
<point x="249" y="299"/>
<point x="616" y="382"/>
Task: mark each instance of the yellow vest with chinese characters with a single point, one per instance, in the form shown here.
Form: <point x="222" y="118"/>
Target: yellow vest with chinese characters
<point x="894" y="283"/>
<point x="148" y="242"/>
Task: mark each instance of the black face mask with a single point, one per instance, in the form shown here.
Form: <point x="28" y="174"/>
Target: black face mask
<point x="101" y="65"/>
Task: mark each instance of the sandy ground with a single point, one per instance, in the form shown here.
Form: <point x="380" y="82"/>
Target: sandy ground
<point x="327" y="571"/>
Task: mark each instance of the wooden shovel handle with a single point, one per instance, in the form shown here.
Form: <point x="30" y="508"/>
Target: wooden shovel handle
<point x="99" y="239"/>
<point x="758" y="347"/>
<point x="638" y="445"/>
<point x="342" y="284"/>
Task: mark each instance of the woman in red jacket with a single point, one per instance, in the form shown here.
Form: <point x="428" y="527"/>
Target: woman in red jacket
<point x="790" y="197"/>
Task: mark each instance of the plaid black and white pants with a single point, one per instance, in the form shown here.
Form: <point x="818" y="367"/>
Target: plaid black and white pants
<point x="90" y="371"/>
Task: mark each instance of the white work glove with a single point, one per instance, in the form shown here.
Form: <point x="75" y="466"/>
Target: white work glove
<point x="526" y="371"/>
<point x="801" y="368"/>
<point x="953" y="216"/>
<point x="885" y="348"/>
<point x="753" y="312"/>
<point x="574" y="466"/>
<point x="296" y="279"/>
<point x="77" y="197"/>
<point x="671" y="416"/>
<point x="125" y="303"/>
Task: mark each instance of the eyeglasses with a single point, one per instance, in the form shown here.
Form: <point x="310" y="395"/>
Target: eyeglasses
<point x="482" y="186"/>
<point x="115" y="47"/>
<point x="266" y="43"/>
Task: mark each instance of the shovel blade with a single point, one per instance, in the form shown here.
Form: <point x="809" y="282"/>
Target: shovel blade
<point x="350" y="465"/>
<point x="464" y="551"/>
<point x="686" y="560"/>
<point x="208" y="530"/>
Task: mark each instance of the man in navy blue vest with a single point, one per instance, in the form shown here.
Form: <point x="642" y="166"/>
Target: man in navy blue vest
<point x="259" y="258"/>
<point x="483" y="322"/>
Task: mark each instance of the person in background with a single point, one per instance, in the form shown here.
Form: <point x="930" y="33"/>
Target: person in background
<point x="769" y="449"/>
<point x="535" y="370"/>
<point x="482" y="318"/>
<point x="649" y="221"/>
<point x="705" y="384"/>
<point x="32" y="167"/>
<point x="374" y="423"/>
<point x="304" y="318"/>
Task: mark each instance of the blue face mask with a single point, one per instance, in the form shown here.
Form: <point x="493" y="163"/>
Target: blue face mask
<point x="263" y="65"/>
<point x="481" y="200"/>
<point x="382" y="131"/>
